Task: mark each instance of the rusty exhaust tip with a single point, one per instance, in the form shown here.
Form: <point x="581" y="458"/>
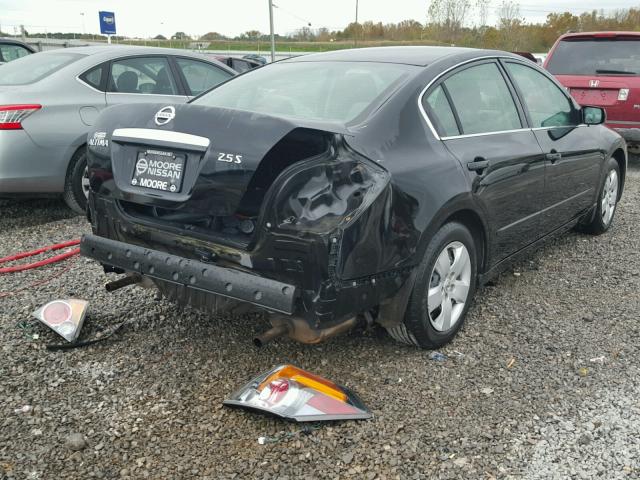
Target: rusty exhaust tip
<point x="122" y="282"/>
<point x="273" y="332"/>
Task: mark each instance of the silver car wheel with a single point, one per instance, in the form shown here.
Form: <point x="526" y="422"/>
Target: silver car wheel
<point x="449" y="286"/>
<point x="85" y="182"/>
<point x="609" y="197"/>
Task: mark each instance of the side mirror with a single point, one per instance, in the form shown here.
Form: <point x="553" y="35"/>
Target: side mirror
<point x="593" y="115"/>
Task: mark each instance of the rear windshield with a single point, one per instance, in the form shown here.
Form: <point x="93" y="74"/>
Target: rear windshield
<point x="33" y="68"/>
<point x="596" y="56"/>
<point x="328" y="91"/>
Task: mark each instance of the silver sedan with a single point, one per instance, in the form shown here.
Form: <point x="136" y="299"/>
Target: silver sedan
<point x="49" y="101"/>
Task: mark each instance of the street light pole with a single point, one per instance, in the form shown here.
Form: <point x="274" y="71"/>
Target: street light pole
<point x="273" y="38"/>
<point x="356" y="27"/>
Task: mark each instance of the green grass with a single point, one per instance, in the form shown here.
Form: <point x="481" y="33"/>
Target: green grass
<point x="281" y="47"/>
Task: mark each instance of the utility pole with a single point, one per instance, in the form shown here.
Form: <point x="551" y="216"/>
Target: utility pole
<point x="356" y="27"/>
<point x="273" y="38"/>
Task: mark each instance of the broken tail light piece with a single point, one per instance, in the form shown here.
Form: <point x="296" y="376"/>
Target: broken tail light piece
<point x="65" y="317"/>
<point x="292" y="393"/>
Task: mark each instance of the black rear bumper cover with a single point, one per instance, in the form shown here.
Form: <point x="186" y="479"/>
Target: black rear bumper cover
<point x="263" y="292"/>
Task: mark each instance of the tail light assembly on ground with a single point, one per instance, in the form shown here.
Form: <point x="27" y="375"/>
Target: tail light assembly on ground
<point x="292" y="393"/>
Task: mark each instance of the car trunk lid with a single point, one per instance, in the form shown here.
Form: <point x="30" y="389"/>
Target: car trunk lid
<point x="212" y="159"/>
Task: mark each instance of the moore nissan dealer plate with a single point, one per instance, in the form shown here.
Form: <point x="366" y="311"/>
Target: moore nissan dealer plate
<point x="159" y="170"/>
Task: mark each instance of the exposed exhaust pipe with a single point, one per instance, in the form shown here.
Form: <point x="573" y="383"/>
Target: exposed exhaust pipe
<point x="273" y="332"/>
<point x="298" y="329"/>
<point x="122" y="282"/>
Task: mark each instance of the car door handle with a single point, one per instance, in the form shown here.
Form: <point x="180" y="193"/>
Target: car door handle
<point x="553" y="157"/>
<point x="478" y="164"/>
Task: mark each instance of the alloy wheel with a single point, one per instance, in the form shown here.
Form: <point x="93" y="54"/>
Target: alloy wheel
<point x="85" y="182"/>
<point x="449" y="286"/>
<point x="609" y="197"/>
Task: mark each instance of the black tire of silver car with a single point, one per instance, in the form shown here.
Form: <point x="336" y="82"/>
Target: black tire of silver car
<point x="443" y="290"/>
<point x="608" y="197"/>
<point x="76" y="183"/>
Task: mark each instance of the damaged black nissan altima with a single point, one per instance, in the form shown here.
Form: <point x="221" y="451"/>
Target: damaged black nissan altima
<point x="382" y="183"/>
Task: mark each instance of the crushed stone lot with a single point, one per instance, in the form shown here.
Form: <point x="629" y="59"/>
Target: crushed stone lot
<point x="541" y="383"/>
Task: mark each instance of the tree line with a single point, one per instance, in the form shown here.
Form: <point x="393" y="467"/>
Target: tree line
<point x="447" y="23"/>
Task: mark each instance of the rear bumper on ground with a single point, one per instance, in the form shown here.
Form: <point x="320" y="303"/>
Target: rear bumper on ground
<point x="192" y="274"/>
<point x="307" y="264"/>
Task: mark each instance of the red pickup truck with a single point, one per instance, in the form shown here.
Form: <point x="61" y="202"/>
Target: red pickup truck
<point x="603" y="69"/>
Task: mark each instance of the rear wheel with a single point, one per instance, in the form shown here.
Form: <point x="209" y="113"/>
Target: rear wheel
<point x="443" y="290"/>
<point x="607" y="201"/>
<point x="76" y="186"/>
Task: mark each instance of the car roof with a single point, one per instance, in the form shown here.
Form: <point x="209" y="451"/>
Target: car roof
<point x="603" y="34"/>
<point x="108" y="51"/>
<point x="94" y="55"/>
<point x="13" y="41"/>
<point x="409" y="55"/>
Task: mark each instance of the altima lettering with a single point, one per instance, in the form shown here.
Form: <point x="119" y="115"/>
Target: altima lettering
<point x="164" y="169"/>
<point x="99" y="139"/>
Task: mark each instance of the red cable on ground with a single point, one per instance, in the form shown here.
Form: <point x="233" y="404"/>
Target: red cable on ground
<point x="40" y="282"/>
<point x="57" y="246"/>
<point x="41" y="263"/>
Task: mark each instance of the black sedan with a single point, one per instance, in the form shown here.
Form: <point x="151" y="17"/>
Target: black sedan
<point x="383" y="184"/>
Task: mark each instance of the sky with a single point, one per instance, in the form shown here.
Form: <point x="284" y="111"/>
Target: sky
<point x="147" y="18"/>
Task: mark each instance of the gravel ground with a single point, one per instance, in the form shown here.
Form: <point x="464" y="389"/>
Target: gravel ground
<point x="540" y="384"/>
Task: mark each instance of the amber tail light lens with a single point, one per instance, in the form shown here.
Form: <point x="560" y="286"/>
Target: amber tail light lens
<point x="290" y="392"/>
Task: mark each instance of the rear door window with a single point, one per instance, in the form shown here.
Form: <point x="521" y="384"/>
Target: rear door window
<point x="201" y="76"/>
<point x="440" y="112"/>
<point x="546" y="103"/>
<point x="93" y="77"/>
<point x="143" y="75"/>
<point x="596" y="56"/>
<point x="482" y="100"/>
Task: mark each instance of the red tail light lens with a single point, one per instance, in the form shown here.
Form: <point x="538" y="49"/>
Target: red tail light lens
<point x="296" y="394"/>
<point x="11" y="116"/>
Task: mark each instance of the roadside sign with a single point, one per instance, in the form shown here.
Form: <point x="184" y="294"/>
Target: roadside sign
<point x="107" y="23"/>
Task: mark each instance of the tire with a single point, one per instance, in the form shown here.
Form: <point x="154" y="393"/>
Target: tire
<point x="608" y="197"/>
<point x="422" y="325"/>
<point x="76" y="183"/>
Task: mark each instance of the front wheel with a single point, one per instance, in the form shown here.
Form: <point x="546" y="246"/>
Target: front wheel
<point x="607" y="201"/>
<point x="443" y="290"/>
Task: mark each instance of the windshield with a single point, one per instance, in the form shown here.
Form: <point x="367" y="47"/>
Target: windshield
<point x="33" y="68"/>
<point x="604" y="56"/>
<point x="329" y="91"/>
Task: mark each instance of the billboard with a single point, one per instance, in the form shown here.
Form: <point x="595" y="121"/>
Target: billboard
<point x="107" y="23"/>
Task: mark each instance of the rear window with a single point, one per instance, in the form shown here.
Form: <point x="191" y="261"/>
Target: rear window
<point x="33" y="68"/>
<point x="334" y="91"/>
<point x="596" y="56"/>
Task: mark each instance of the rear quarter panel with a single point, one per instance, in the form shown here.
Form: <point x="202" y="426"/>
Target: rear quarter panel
<point x="428" y="184"/>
